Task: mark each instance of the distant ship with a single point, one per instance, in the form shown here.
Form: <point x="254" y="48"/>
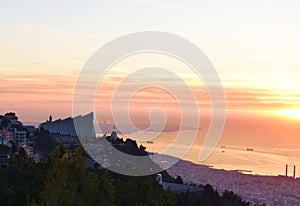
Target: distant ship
<point x="150" y="142"/>
<point x="249" y="149"/>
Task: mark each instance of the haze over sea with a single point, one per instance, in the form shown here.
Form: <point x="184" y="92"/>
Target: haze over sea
<point x="274" y="141"/>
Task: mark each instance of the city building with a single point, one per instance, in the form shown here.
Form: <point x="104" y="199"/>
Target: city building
<point x="7" y="134"/>
<point x="28" y="150"/>
<point x="30" y="130"/>
<point x="20" y="137"/>
<point x="175" y="187"/>
<point x="79" y="126"/>
<point x="5" y="137"/>
<point x="12" y="117"/>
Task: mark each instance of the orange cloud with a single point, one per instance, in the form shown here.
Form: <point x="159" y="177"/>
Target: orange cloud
<point x="38" y="94"/>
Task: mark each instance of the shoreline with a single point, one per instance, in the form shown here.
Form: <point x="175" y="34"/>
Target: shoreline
<point x="257" y="189"/>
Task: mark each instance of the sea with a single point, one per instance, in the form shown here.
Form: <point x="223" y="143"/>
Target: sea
<point x="248" y="158"/>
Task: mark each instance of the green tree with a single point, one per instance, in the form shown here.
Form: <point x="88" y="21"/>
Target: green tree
<point x="179" y="180"/>
<point x="97" y="191"/>
<point x="210" y="196"/>
<point x="20" y="179"/>
<point x="230" y="199"/>
<point x="64" y="177"/>
<point x="5" y="122"/>
<point x="142" y="191"/>
<point x="44" y="142"/>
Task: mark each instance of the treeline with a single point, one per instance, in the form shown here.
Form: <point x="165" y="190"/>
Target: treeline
<point x="63" y="179"/>
<point x="44" y="142"/>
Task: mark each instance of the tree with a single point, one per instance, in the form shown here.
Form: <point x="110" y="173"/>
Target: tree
<point x="5" y="122"/>
<point x="44" y="142"/>
<point x="231" y="199"/>
<point x="4" y="149"/>
<point x="22" y="153"/>
<point x="20" y="179"/>
<point x="142" y="191"/>
<point x="179" y="180"/>
<point x="64" y="177"/>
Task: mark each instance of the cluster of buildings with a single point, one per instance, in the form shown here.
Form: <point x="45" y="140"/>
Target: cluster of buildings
<point x="257" y="189"/>
<point x="12" y="132"/>
<point x="14" y="135"/>
<point x="68" y="131"/>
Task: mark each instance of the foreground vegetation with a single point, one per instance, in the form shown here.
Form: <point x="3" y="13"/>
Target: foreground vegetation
<point x="63" y="179"/>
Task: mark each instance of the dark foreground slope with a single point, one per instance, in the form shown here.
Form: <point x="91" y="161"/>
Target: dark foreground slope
<point x="63" y="179"/>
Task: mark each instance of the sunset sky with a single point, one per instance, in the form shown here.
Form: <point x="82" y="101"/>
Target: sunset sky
<point x="254" y="46"/>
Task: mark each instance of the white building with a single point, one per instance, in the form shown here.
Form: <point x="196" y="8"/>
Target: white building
<point x="5" y="137"/>
<point x="20" y="137"/>
<point x="175" y="187"/>
<point x="80" y="126"/>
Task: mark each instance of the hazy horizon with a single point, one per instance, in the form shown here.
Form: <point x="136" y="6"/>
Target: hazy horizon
<point x="254" y="47"/>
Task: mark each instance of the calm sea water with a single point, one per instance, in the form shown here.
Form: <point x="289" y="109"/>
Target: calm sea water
<point x="268" y="159"/>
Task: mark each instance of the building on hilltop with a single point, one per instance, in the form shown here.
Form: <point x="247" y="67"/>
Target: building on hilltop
<point x="12" y="117"/>
<point x="5" y="137"/>
<point x="9" y="121"/>
<point x="79" y="126"/>
<point x="13" y="132"/>
<point x="113" y="136"/>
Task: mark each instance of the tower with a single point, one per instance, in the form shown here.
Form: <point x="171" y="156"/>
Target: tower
<point x="294" y="174"/>
<point x="50" y="118"/>
<point x="113" y="135"/>
<point x="286" y="170"/>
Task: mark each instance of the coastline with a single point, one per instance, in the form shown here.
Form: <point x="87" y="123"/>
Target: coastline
<point x="257" y="189"/>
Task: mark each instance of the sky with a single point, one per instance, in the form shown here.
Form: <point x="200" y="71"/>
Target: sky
<point x="253" y="45"/>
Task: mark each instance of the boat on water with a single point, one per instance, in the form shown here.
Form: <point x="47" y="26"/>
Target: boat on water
<point x="249" y="149"/>
<point x="150" y="142"/>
